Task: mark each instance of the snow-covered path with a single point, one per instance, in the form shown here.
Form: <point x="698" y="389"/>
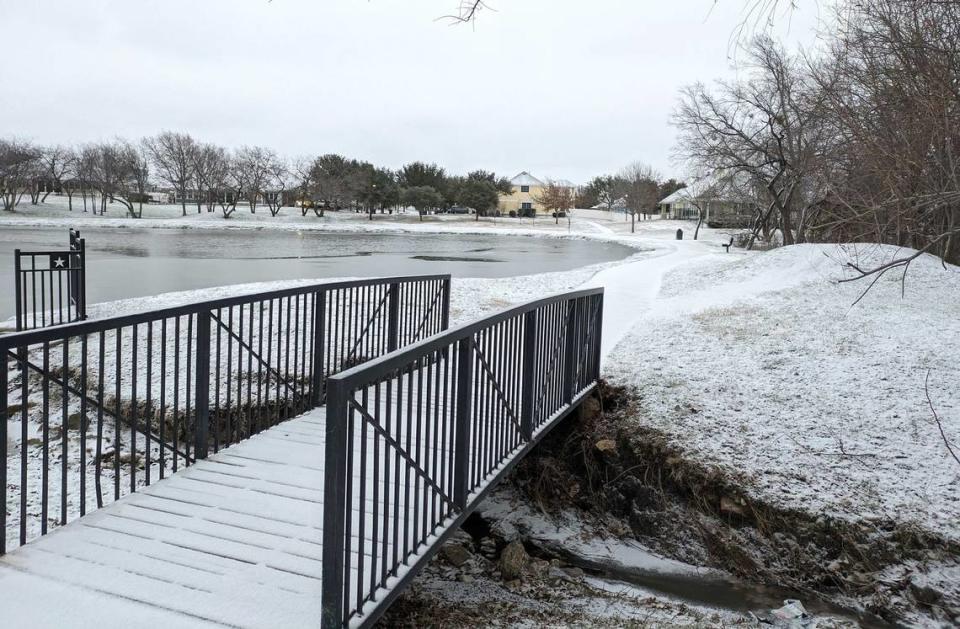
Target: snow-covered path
<point x="631" y="289"/>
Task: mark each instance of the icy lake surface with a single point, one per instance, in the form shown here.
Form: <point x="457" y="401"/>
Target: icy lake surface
<point x="125" y="263"/>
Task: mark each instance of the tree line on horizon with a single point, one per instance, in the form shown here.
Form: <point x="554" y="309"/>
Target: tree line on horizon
<point x="217" y="179"/>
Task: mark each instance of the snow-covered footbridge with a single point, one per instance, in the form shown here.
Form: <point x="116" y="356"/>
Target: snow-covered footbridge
<point x="289" y="458"/>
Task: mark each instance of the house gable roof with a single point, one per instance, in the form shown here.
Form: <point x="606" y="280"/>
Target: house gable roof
<point x="525" y="179"/>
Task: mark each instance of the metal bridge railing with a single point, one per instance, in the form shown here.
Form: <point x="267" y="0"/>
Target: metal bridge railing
<point x="415" y="438"/>
<point x="103" y="407"/>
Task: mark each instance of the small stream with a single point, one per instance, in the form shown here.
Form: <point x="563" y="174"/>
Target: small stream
<point x="628" y="562"/>
<point x="709" y="589"/>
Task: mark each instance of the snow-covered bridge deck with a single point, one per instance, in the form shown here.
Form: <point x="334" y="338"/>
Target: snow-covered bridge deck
<point x="234" y="540"/>
<point x="322" y="519"/>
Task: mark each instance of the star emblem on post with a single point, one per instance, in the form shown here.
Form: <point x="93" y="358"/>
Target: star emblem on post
<point x="58" y="261"/>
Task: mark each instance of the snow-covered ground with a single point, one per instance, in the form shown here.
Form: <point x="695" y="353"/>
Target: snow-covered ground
<point x="758" y="364"/>
<point x="818" y="403"/>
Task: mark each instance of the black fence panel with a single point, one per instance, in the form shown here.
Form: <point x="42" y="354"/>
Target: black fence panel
<point x="50" y="286"/>
<point x="103" y="407"/>
<point x="415" y="438"/>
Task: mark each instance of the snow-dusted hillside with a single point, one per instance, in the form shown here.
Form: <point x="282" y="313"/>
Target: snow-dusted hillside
<point x="762" y="366"/>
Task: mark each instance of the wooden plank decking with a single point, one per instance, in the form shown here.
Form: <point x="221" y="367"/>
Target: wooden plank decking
<point x="234" y="540"/>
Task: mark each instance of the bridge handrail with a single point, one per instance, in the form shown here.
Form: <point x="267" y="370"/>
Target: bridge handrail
<point x="155" y="389"/>
<point x="451" y="413"/>
<point x="57" y="332"/>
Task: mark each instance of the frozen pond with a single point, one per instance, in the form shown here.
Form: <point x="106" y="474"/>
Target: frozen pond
<point x="139" y="262"/>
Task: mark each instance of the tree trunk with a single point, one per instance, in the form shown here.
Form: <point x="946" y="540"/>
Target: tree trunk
<point x="786" y="226"/>
<point x="183" y="204"/>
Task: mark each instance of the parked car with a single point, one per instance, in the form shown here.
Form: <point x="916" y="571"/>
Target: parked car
<point x="459" y="210"/>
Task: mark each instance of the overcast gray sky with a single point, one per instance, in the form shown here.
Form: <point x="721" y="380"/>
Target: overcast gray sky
<point x="562" y="89"/>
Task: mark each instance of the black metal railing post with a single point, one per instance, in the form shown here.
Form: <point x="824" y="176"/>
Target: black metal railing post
<point x="18" y="288"/>
<point x="334" y="506"/>
<point x="464" y="410"/>
<point x="445" y="316"/>
<point x="202" y="405"/>
<point x="526" y="376"/>
<point x="598" y="339"/>
<point x="569" y="351"/>
<point x="3" y="450"/>
<point x="393" y="316"/>
<point x="319" y="345"/>
<point x="82" y="298"/>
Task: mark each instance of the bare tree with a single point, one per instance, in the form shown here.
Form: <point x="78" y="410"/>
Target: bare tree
<point x="19" y="162"/>
<point x="138" y="166"/>
<point x="558" y="199"/>
<point x="58" y="163"/>
<point x="641" y="186"/>
<point x="113" y="173"/>
<point x="770" y="127"/>
<point x="892" y="88"/>
<point x="173" y="157"/>
<point x="302" y="172"/>
<point x="204" y="160"/>
<point x="85" y="166"/>
<point x="280" y="180"/>
<point x="255" y="164"/>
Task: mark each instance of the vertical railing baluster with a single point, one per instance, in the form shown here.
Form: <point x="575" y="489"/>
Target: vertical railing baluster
<point x="335" y="562"/>
<point x="24" y="426"/>
<point x="163" y="397"/>
<point x="82" y="299"/>
<point x="101" y="385"/>
<point x="148" y="411"/>
<point x="133" y="409"/>
<point x="83" y="425"/>
<point x="569" y="351"/>
<point x="117" y="432"/>
<point x="393" y="316"/>
<point x="461" y="453"/>
<point x="202" y="405"/>
<point x="176" y="392"/>
<point x="4" y="410"/>
<point x="319" y="345"/>
<point x="216" y="393"/>
<point x="45" y="423"/>
<point x="598" y="337"/>
<point x="21" y="294"/>
<point x="445" y="314"/>
<point x="64" y="425"/>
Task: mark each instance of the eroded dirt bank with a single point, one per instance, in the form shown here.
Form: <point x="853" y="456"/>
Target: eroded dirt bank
<point x="623" y="483"/>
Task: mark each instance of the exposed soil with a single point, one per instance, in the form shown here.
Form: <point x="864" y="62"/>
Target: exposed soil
<point x="630" y="481"/>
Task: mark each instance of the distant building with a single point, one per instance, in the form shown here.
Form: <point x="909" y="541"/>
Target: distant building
<point x="719" y="210"/>
<point x="524" y="197"/>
